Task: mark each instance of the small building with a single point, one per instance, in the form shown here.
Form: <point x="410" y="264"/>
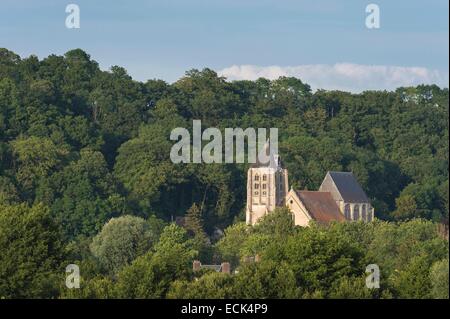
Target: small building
<point x="223" y="267"/>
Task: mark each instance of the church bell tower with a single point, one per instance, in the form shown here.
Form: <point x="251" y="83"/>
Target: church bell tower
<point x="267" y="186"/>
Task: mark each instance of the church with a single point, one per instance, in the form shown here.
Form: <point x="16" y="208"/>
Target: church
<point x="339" y="198"/>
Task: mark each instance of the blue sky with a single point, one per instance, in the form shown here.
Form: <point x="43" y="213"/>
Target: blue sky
<point x="324" y="42"/>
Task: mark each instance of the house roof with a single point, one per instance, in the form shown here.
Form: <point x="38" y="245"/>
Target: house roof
<point x="348" y="187"/>
<point x="321" y="206"/>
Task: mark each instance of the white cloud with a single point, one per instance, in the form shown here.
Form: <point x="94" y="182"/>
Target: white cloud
<point x="343" y="76"/>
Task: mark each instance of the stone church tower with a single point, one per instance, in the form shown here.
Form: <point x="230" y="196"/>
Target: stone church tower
<point x="267" y="187"/>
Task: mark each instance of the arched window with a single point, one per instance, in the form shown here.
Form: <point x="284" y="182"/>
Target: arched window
<point x="264" y="177"/>
<point x="264" y="186"/>
<point x="256" y="177"/>
<point x="363" y="212"/>
<point x="356" y="212"/>
<point x="256" y="186"/>
<point x="369" y="215"/>
<point x="347" y="211"/>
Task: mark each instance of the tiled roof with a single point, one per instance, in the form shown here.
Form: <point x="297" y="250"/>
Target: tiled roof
<point x="349" y="187"/>
<point x="321" y="206"/>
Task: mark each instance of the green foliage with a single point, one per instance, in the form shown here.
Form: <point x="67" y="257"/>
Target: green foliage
<point x="262" y="280"/>
<point x="8" y="191"/>
<point x="229" y="246"/>
<point x="193" y="223"/>
<point x="266" y="279"/>
<point x="439" y="279"/>
<point x="394" y="246"/>
<point x="151" y="275"/>
<point x="32" y="252"/>
<point x="80" y="147"/>
<point x="351" y="288"/>
<point x="413" y="282"/>
<point x="143" y="164"/>
<point x="83" y="195"/>
<point x="194" y="227"/>
<point x="406" y="207"/>
<point x="121" y="241"/>
<point x="95" y="288"/>
<point x="36" y="158"/>
<point x="277" y="224"/>
<point x="319" y="258"/>
<point x="209" y="286"/>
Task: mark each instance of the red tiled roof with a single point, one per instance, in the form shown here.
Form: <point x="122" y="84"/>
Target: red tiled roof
<point x="321" y="206"/>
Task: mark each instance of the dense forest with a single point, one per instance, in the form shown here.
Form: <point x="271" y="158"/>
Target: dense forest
<point x="86" y="179"/>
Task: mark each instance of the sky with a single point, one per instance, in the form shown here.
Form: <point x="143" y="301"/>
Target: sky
<point x="325" y="43"/>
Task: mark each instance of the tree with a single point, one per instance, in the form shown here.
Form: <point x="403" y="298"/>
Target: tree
<point x="406" y="207"/>
<point x="194" y="222"/>
<point x="351" y="288"/>
<point x="8" y="191"/>
<point x="151" y="275"/>
<point x="36" y="157"/>
<point x="206" y="96"/>
<point x="265" y="279"/>
<point x="229" y="246"/>
<point x="212" y="285"/>
<point x="439" y="279"/>
<point x="121" y="240"/>
<point x="32" y="258"/>
<point x="318" y="258"/>
<point x="95" y="288"/>
<point x="278" y="223"/>
<point x="194" y="227"/>
<point x="393" y="246"/>
<point x="143" y="164"/>
<point x="413" y="281"/>
<point x="171" y="236"/>
<point x="8" y="63"/>
<point x="83" y="195"/>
